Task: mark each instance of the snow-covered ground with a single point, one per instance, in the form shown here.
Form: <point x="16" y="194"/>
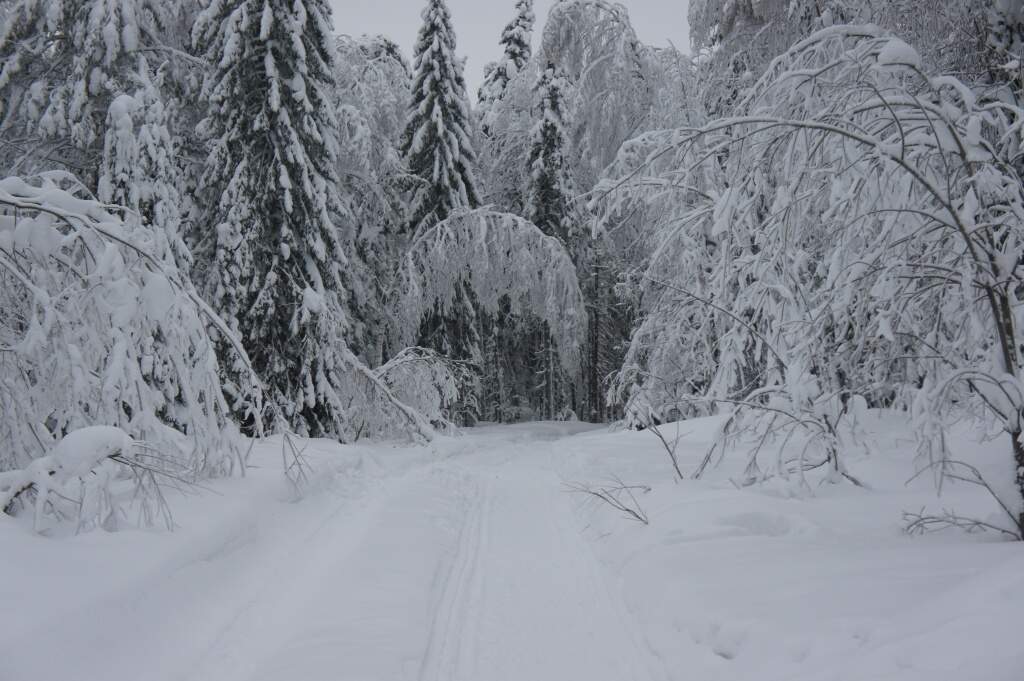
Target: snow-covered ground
<point x="470" y="560"/>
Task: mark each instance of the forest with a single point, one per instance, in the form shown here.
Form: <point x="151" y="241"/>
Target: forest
<point x="227" y="223"/>
<point x="221" y="218"/>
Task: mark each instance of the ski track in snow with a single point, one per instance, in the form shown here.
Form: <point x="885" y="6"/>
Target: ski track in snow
<point x="509" y="591"/>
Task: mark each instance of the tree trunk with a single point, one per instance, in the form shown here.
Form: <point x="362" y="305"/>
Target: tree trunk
<point x="595" y="350"/>
<point x="1018" y="458"/>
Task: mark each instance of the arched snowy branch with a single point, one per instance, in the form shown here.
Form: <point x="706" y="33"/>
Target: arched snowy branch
<point x="855" y="232"/>
<point x="98" y="326"/>
<point x="497" y="254"/>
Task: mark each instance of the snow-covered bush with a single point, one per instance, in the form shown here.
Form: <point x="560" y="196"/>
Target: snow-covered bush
<point x="856" y="234"/>
<point x="94" y="476"/>
<point x="98" y="327"/>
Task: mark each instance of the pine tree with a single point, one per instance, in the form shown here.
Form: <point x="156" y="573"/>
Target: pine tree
<point x="516" y="39"/>
<point x="61" y="66"/>
<point x="436" y="144"/>
<point x="550" y="185"/>
<point x="274" y="249"/>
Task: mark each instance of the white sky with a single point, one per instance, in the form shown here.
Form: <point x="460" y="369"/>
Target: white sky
<point x="478" y="24"/>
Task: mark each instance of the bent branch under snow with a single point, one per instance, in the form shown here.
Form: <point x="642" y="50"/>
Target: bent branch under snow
<point x="498" y="255"/>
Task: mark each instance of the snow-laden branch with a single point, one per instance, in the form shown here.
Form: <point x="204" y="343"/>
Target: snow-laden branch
<point x="853" y="234"/>
<point x="93" y="475"/>
<point x="98" y="327"/>
<point x="430" y="383"/>
<point x="497" y="255"/>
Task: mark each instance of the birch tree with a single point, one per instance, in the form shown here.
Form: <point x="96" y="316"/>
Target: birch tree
<point x="859" y="246"/>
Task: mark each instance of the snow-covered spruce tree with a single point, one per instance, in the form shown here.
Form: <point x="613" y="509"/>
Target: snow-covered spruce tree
<point x="516" y="41"/>
<point x="181" y="76"/>
<point x="272" y="256"/>
<point x="550" y="191"/>
<point x="436" y="144"/>
<point x="438" y="149"/>
<point x="61" y="64"/>
<point x="548" y="199"/>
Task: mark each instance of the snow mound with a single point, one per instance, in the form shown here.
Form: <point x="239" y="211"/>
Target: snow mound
<point x="80" y="451"/>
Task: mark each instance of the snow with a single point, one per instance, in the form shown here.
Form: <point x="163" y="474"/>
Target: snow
<point x="469" y="559"/>
<point x="895" y="52"/>
<point x="80" y="451"/>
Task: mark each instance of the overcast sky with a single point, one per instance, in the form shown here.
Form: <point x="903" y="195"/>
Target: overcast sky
<point x="478" y="24"/>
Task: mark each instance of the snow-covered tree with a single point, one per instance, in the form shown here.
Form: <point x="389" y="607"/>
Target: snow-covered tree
<point x="858" y="245"/>
<point x="432" y="384"/>
<point x="438" y="150"/>
<point x="436" y="144"/>
<point x="62" y="62"/>
<point x="735" y="40"/>
<point x="548" y="198"/>
<point x="274" y="238"/>
<point x="594" y="45"/>
<point x="550" y="185"/>
<point x="373" y="94"/>
<point x="98" y="328"/>
<point x="673" y="76"/>
<point x="1005" y="42"/>
<point x="505" y="147"/>
<point x="516" y="41"/>
<point x="500" y="257"/>
<point x="139" y="167"/>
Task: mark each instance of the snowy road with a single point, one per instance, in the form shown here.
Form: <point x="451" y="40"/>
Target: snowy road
<point x="469" y="561"/>
<point x="472" y="568"/>
<point x="468" y="564"/>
